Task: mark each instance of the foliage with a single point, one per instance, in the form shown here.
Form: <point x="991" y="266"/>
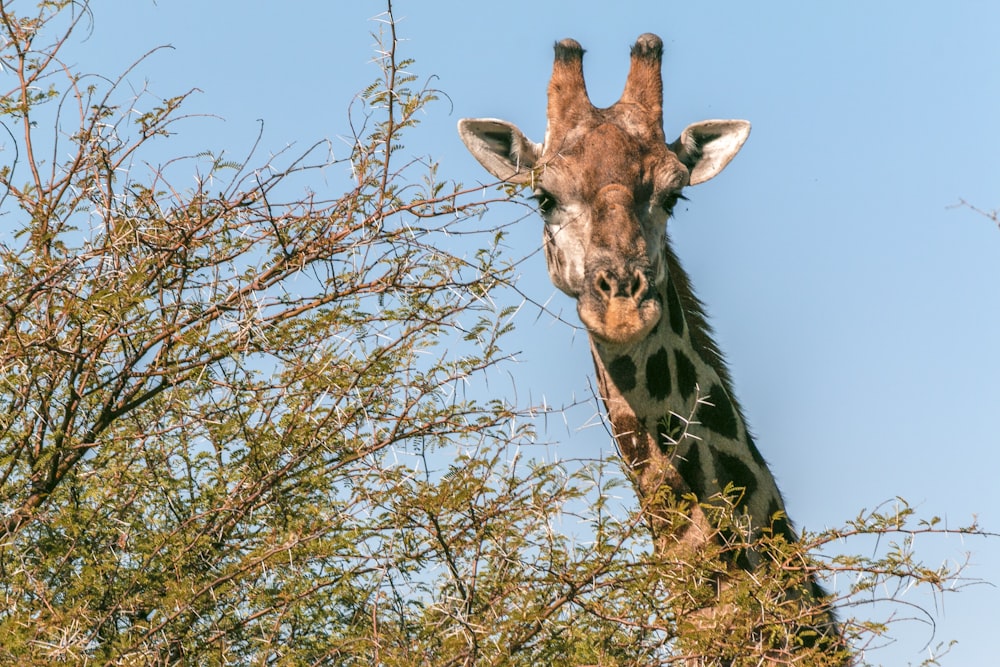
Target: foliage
<point x="239" y="421"/>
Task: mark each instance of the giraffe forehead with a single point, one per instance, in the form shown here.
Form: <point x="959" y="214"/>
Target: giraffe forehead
<point x="593" y="156"/>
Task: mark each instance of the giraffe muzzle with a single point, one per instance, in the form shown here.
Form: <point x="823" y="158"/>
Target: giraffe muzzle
<point x="619" y="307"/>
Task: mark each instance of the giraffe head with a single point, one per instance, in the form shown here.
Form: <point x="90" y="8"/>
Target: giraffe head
<point x="606" y="181"/>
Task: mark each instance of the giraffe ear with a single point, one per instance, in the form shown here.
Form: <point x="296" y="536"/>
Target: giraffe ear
<point x="707" y="147"/>
<point x="501" y="148"/>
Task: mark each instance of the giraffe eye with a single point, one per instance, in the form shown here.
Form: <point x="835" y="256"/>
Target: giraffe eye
<point x="545" y="201"/>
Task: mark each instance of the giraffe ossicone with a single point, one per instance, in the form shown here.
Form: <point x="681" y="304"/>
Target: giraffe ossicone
<point x="606" y="182"/>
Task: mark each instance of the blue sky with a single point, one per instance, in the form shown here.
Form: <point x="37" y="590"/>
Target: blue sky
<point x="858" y="308"/>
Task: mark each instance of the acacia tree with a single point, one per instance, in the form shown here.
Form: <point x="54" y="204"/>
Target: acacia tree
<point x="239" y="424"/>
<point x="199" y="384"/>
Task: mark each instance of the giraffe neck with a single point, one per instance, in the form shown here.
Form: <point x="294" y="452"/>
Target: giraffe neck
<point x="680" y="431"/>
<point x="674" y="417"/>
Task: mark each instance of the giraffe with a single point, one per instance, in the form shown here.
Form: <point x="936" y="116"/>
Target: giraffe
<point x="606" y="182"/>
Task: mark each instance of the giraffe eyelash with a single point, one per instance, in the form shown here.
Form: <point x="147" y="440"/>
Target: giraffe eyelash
<point x="669" y="201"/>
<point x="545" y="201"/>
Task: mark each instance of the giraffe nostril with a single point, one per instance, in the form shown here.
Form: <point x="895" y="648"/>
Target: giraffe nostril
<point x="605" y="284"/>
<point x="609" y="285"/>
<point x="638" y="286"/>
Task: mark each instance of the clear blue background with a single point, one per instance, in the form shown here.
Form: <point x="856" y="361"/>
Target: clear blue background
<point x="858" y="308"/>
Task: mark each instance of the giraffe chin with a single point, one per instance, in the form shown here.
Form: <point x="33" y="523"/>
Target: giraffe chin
<point x="621" y="321"/>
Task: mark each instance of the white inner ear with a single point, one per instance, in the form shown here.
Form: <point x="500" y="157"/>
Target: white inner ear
<point x="710" y="145"/>
<point x="500" y="147"/>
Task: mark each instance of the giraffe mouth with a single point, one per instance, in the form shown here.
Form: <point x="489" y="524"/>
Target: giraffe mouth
<point x="619" y="320"/>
